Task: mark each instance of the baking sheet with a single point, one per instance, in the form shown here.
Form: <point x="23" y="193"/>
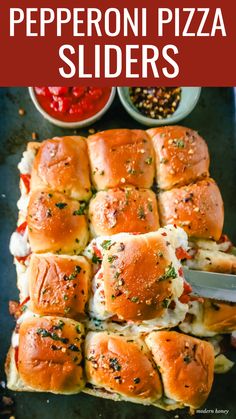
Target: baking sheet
<point x="214" y="118"/>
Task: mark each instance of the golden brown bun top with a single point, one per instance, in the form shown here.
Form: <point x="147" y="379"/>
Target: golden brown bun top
<point x="54" y="224"/>
<point x="59" y="285"/>
<point x="135" y="284"/>
<point x="219" y="316"/>
<point x="197" y="208"/>
<point x="121" y="157"/>
<point x="181" y="156"/>
<point x="50" y="354"/>
<point x="120" y="210"/>
<point x="62" y="164"/>
<point x="119" y="363"/>
<point x="186" y="365"/>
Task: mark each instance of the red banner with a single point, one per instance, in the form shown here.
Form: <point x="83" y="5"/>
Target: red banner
<point x="188" y="42"/>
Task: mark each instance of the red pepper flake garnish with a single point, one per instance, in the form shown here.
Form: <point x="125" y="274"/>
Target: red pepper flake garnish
<point x="21" y="228"/>
<point x="100" y="275"/>
<point x="182" y="254"/>
<point x="26" y="180"/>
<point x="24" y="302"/>
<point x="16" y="356"/>
<point x="164" y="234"/>
<point x="184" y="298"/>
<point x="97" y="252"/>
<point x="21" y="259"/>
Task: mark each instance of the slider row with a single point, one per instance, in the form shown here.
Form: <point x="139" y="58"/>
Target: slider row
<point x="166" y="368"/>
<point x="122" y="282"/>
<point x="122" y="165"/>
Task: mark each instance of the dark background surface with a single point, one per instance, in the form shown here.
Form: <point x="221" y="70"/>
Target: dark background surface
<point x="214" y="118"/>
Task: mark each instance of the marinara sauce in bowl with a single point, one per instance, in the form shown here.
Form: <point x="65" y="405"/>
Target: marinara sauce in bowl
<point x="72" y="107"/>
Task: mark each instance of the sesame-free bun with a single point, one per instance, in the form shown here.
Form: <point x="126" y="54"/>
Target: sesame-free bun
<point x="56" y="223"/>
<point x="186" y="366"/>
<point x="62" y="164"/>
<point x="58" y="285"/>
<point x="123" y="210"/>
<point x="197" y="208"/>
<point x="181" y="156"/>
<point x="122" y="365"/>
<point x="49" y="355"/>
<point x="136" y="284"/>
<point x="121" y="157"/>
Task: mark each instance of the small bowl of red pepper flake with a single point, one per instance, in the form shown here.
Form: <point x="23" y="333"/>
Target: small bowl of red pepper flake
<point x="153" y="106"/>
<point x="72" y="107"/>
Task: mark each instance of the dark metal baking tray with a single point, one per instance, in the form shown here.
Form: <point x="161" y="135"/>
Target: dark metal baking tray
<point x="214" y="118"/>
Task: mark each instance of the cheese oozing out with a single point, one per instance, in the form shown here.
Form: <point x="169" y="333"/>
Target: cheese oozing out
<point x="19" y="244"/>
<point x="26" y="164"/>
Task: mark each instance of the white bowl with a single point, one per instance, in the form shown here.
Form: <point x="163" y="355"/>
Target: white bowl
<point x="188" y="101"/>
<point x="79" y="124"/>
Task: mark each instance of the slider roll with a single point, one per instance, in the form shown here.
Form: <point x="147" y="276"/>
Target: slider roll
<point x="122" y="365"/>
<point x="134" y="278"/>
<point x="181" y="156"/>
<point x="56" y="223"/>
<point x="123" y="210"/>
<point x="59" y="285"/>
<point x="47" y="356"/>
<point x="197" y="208"/>
<point x="62" y="164"/>
<point x="121" y="157"/>
<point x="186" y="365"/>
<point x="138" y="280"/>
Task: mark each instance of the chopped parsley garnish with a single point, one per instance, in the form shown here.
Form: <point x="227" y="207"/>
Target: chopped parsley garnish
<point x="134" y="299"/>
<point x="165" y="303"/>
<point x="111" y="258"/>
<point x="148" y="160"/>
<point x="106" y="244"/>
<point x="46" y="334"/>
<point x="77" y="328"/>
<point x="96" y="259"/>
<point x="61" y="205"/>
<point x="114" y="364"/>
<point x="65" y="297"/>
<point x="81" y="210"/>
<point x="150" y="208"/>
<point x="187" y="359"/>
<point x="180" y="143"/>
<point x="131" y="171"/>
<point x="73" y="275"/>
<point x="141" y="213"/>
<point x="59" y="326"/>
<point x="169" y="273"/>
<point x="74" y="348"/>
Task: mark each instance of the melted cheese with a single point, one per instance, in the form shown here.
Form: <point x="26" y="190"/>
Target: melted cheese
<point x="19" y="244"/>
<point x="196" y="326"/>
<point x="23" y="203"/>
<point x="26" y="164"/>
